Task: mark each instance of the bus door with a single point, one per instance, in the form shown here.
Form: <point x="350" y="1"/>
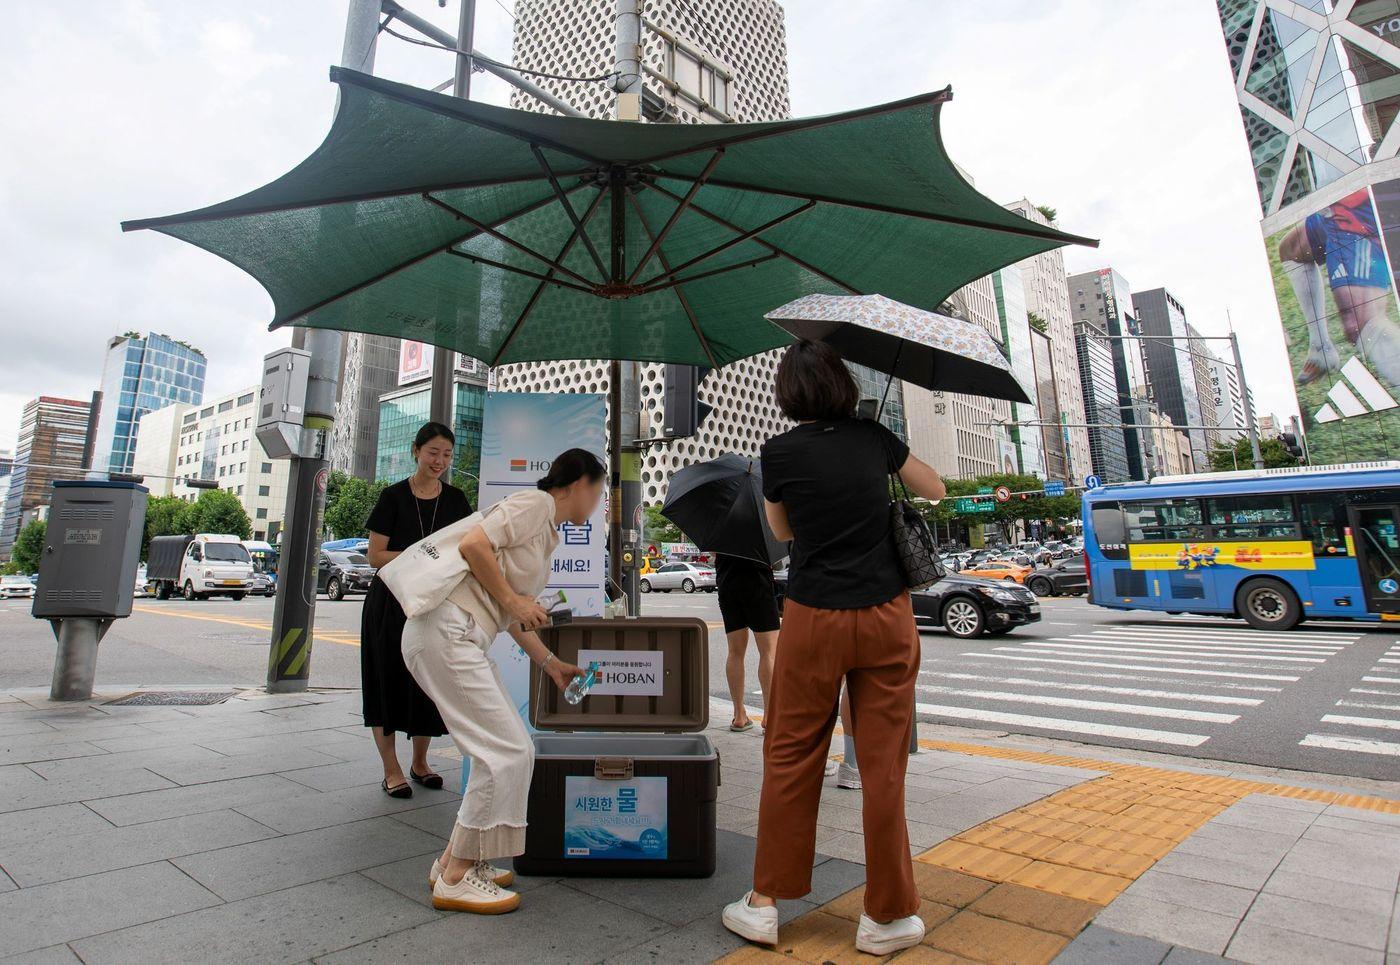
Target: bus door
<point x="1375" y="533"/>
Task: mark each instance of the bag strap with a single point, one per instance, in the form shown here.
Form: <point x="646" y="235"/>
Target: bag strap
<point x="893" y="470"/>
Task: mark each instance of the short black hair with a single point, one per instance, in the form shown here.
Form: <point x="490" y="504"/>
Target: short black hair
<point x="814" y="384"/>
<point x="570" y="466"/>
<point x="431" y="431"/>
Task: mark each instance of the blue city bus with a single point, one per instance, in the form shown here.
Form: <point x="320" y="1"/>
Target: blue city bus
<point x="1273" y="546"/>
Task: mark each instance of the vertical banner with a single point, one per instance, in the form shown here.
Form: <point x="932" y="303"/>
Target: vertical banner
<point x="521" y="433"/>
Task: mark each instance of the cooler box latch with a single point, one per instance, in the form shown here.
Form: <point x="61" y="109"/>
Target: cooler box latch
<point x="612" y="768"/>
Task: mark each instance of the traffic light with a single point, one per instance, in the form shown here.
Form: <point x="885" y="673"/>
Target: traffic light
<point x="682" y="411"/>
<point x="1290" y="443"/>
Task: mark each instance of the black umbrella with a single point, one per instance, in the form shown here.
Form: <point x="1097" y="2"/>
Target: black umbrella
<point x="719" y="505"/>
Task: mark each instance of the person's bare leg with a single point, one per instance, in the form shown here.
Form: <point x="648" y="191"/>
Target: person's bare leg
<point x="734" y="673"/>
<point x="454" y="868"/>
<point x="767" y="646"/>
<point x="388" y="755"/>
<point x="420" y="757"/>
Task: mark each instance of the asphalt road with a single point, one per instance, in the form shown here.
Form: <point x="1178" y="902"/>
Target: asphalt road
<point x="1324" y="697"/>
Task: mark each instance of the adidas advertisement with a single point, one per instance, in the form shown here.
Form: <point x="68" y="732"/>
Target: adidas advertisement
<point x="1334" y="279"/>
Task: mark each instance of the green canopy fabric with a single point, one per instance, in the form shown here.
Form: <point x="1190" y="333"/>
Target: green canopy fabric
<point x="513" y="236"/>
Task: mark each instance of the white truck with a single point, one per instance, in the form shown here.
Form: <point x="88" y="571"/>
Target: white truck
<point x="199" y="566"/>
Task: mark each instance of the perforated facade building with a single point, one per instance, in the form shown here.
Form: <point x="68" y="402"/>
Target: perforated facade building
<point x="748" y="40"/>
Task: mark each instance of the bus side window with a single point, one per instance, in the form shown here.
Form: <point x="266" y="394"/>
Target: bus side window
<point x="1252" y="517"/>
<point x="1324" y="523"/>
<point x="1163" y="519"/>
<point x="1107" y="522"/>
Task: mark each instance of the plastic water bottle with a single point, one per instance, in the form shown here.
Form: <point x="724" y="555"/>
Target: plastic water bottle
<point x="551" y="600"/>
<point x="580" y="686"/>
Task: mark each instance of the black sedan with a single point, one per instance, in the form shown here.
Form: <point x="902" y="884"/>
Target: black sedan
<point x="339" y="573"/>
<point x="965" y="606"/>
<point x="1061" y="578"/>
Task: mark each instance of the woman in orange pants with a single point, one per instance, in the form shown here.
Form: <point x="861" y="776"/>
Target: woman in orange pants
<point x="847" y="616"/>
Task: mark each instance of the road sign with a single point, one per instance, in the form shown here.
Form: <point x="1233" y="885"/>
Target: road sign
<point x="1003" y="493"/>
<point x="1054" y="488"/>
<point x="1092" y="482"/>
<point x="984" y="490"/>
<point x="968" y="506"/>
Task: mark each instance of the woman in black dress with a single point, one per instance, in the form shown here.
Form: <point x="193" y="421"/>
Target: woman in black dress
<point x="406" y="512"/>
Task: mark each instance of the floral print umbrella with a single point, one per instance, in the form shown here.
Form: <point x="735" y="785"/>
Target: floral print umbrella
<point x="925" y="348"/>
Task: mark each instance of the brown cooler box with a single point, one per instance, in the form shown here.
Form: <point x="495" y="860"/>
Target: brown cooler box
<point x="624" y="783"/>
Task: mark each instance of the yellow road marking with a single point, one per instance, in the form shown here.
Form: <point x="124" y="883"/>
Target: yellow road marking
<point x="344" y="637"/>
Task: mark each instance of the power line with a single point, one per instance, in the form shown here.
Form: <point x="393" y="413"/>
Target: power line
<point x="477" y="58"/>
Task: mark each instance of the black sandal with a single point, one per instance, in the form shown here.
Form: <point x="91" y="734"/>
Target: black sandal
<point x="430" y="780"/>
<point x="398" y="790"/>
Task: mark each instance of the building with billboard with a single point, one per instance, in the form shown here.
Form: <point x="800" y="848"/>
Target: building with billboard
<point x="140" y="375"/>
<point x="52" y="437"/>
<point x="1318" y="84"/>
<point x="402" y="410"/>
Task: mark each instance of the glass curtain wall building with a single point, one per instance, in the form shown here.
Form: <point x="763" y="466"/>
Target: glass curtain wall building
<point x="1318" y="84"/>
<point x="1107" y="450"/>
<point x="1025" y="431"/>
<point x="403" y="411"/>
<point x="140" y="375"/>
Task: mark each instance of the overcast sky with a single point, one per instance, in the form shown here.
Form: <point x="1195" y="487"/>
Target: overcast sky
<point x="1118" y="113"/>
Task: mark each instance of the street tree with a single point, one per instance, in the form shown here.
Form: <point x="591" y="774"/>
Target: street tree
<point x="29" y="547"/>
<point x="347" y="516"/>
<point x="659" y="529"/>
<point x="165" y="516"/>
<point x="218" y="511"/>
<point x="1224" y="458"/>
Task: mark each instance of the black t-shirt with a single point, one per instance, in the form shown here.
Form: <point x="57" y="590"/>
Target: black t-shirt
<point x="406" y="519"/>
<point x="833" y="479"/>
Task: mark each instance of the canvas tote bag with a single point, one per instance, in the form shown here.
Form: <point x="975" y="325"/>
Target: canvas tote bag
<point x="423" y="575"/>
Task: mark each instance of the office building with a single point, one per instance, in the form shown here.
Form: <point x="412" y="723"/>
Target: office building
<point x="1317" y="89"/>
<point x="1168" y="448"/>
<point x="369" y="368"/>
<point x="1108" y="450"/>
<point x="1228" y="400"/>
<point x="7" y="468"/>
<point x="1053" y="437"/>
<point x="403" y="409"/>
<point x="963" y="436"/>
<point x="140" y="375"/>
<point x="1025" y="430"/>
<point x="217" y="442"/>
<point x="1103" y="300"/>
<point x="704" y="61"/>
<point x="52" y="434"/>
<point x="1047" y="299"/>
<point x="1179" y="377"/>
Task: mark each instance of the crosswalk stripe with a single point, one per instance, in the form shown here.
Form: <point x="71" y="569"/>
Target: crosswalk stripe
<point x="1071" y="649"/>
<point x="1363" y="705"/>
<point x="1100" y="688"/>
<point x="1142" y="710"/>
<point x="1361" y="721"/>
<point x="1103" y="675"/>
<point x="1357" y="744"/>
<point x="1073" y="726"/>
<point x="1381" y="680"/>
<point x="1195" y="649"/>
<point x="1378" y="693"/>
<point x="1233" y="628"/>
<point x="1279" y="640"/>
<point x="1132" y="666"/>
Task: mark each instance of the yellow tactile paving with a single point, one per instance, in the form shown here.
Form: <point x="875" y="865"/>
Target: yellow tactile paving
<point x="1030" y="879"/>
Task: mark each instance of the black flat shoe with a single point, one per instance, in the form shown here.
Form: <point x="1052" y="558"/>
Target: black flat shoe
<point x="398" y="790"/>
<point x="429" y="780"/>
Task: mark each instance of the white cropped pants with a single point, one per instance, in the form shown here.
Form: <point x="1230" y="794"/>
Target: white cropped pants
<point x="445" y="651"/>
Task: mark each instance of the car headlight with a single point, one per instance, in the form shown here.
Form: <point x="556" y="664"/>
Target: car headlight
<point x="998" y="594"/>
<point x="208" y="572"/>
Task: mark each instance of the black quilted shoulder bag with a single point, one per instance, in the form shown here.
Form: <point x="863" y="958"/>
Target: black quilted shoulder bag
<point x="914" y="544"/>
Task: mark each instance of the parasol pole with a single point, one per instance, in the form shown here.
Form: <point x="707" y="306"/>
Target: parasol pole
<point x="624" y="386"/>
<point x="890" y="381"/>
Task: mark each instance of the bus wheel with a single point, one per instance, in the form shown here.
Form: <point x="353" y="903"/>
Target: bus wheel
<point x="1268" y="605"/>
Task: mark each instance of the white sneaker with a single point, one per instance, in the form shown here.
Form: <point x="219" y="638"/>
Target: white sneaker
<point x="831" y="765"/>
<point x="758" y="925"/>
<point x="474" y="893"/>
<point x="501" y="876"/>
<point x="848" y="777"/>
<point x="875" y="938"/>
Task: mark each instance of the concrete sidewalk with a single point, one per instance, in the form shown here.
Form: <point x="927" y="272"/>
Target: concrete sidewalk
<point x="254" y="830"/>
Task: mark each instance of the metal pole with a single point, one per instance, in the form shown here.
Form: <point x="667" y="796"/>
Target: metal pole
<point x="442" y="398"/>
<point x="75" y="664"/>
<point x="433" y="32"/>
<point x="1248" y="403"/>
<point x="624" y="378"/>
<point x="294" y="615"/>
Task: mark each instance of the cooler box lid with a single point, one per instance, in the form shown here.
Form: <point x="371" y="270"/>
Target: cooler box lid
<point x="655" y="674"/>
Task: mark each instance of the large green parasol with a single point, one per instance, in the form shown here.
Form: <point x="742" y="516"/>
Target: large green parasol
<point x="513" y="236"/>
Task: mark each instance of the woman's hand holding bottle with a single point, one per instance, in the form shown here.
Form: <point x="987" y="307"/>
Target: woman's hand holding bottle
<point x="528" y="611"/>
<point x="562" y="673"/>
